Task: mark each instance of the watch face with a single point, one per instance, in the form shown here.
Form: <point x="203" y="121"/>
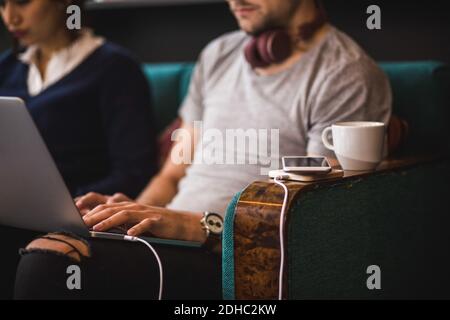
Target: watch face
<point x="215" y="223"/>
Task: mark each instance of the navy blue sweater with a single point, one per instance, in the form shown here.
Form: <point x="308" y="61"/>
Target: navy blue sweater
<point x="96" y="121"/>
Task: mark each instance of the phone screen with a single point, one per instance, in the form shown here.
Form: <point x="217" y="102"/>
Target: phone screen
<point x="306" y="162"/>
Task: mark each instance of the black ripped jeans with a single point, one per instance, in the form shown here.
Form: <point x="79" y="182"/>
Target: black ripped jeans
<point x="11" y="240"/>
<point x="119" y="270"/>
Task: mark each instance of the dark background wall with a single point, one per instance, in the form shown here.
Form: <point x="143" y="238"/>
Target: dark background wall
<point x="411" y="30"/>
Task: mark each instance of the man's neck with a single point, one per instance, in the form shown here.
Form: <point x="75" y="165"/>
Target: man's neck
<point x="306" y="13"/>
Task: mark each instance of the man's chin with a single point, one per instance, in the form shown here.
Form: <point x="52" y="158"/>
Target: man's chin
<point x="255" y="29"/>
<point x="251" y="29"/>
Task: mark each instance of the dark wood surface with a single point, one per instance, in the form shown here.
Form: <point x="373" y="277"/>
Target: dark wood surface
<point x="256" y="229"/>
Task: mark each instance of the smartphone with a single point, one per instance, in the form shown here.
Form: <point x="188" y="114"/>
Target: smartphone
<point x="306" y="164"/>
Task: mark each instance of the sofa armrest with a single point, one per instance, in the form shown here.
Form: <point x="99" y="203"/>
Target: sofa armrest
<point x="335" y="229"/>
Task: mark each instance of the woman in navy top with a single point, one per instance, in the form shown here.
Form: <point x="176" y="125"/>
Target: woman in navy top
<point x="88" y="97"/>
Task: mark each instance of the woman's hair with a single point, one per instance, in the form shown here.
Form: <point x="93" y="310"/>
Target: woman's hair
<point x="80" y="3"/>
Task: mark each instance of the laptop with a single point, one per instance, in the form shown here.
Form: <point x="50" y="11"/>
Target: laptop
<point x="33" y="195"/>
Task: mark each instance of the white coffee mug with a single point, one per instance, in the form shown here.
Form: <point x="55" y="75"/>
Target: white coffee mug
<point x="358" y="145"/>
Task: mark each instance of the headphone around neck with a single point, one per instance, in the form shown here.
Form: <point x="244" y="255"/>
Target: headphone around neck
<point x="275" y="45"/>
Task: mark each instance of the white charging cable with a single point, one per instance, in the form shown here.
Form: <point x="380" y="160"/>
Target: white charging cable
<point x="137" y="239"/>
<point x="278" y="181"/>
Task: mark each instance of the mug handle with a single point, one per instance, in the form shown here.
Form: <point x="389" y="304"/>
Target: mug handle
<point x="325" y="140"/>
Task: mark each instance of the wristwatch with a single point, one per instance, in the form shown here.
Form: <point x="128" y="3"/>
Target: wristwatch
<point x="212" y="223"/>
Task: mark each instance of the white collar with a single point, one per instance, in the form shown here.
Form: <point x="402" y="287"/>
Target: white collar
<point x="61" y="63"/>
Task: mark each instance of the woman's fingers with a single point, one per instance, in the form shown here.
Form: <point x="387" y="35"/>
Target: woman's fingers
<point x="103" y="207"/>
<point x="118" y="197"/>
<point x="143" y="226"/>
<point x="117" y="219"/>
<point x="94" y="219"/>
<point x="104" y="211"/>
<point x="84" y="211"/>
<point x="90" y="201"/>
<point x="107" y="216"/>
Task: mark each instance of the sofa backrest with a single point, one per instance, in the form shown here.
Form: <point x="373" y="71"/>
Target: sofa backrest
<point x="421" y="92"/>
<point x="169" y="84"/>
<point x="421" y="96"/>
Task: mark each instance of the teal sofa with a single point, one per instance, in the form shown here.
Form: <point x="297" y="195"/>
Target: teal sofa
<point x="398" y="219"/>
<point x="169" y="84"/>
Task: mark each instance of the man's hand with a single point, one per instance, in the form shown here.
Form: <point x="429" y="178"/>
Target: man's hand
<point x="91" y="200"/>
<point x="142" y="219"/>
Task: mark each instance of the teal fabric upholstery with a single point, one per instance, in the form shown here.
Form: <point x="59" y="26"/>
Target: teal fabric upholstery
<point x="169" y="84"/>
<point x="398" y="221"/>
<point x="421" y="96"/>
<point x="228" y="250"/>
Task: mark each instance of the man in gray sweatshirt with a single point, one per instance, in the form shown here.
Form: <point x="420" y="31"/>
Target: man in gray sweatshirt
<point x="326" y="78"/>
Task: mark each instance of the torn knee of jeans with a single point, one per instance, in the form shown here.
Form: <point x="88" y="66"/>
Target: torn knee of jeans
<point x="60" y="243"/>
